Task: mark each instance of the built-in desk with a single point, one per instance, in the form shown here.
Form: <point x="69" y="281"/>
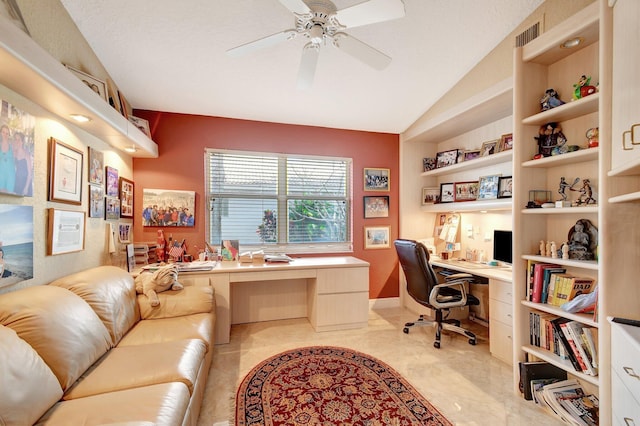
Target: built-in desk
<point x="500" y="302"/>
<point x="332" y="292"/>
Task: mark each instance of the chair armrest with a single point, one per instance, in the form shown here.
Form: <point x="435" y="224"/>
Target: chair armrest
<point x="444" y="301"/>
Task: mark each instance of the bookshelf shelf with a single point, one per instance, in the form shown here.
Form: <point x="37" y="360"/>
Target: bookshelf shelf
<point x="584" y="264"/>
<point x="565" y="364"/>
<point x="586" y="319"/>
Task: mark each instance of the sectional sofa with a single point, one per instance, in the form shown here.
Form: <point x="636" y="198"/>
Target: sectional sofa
<point x="87" y="350"/>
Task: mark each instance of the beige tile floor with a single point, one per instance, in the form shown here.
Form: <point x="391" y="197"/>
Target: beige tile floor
<point x="467" y="384"/>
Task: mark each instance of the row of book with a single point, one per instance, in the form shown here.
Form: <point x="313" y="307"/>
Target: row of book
<point x="567" y="339"/>
<point x="549" y="283"/>
<point x="548" y="386"/>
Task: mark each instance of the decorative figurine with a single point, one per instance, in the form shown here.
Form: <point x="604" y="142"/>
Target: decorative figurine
<point x="592" y="137"/>
<point x="542" y="250"/>
<point x="583" y="88"/>
<point x="160" y="243"/>
<point x="554" y="250"/>
<point x="550" y="99"/>
<point x="562" y="187"/>
<point x="583" y="240"/>
<point x="549" y="137"/>
<point x="548" y="249"/>
<point x="565" y="250"/>
<point x="586" y="194"/>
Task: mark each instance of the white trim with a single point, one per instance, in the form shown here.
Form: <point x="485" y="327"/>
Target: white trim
<point x="386" y="303"/>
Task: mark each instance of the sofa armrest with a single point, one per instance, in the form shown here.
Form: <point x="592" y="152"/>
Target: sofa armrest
<point x="175" y="303"/>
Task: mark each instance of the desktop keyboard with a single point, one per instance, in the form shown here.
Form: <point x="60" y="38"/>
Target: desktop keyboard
<point x="447" y="272"/>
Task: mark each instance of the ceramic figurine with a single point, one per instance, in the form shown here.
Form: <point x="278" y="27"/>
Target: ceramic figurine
<point x="583" y="88"/>
<point x="554" y="250"/>
<point x="562" y="187"/>
<point x="565" y="250"/>
<point x="592" y="137"/>
<point x="586" y="194"/>
<point x="550" y="99"/>
<point x="542" y="250"/>
<point x="583" y="240"/>
<point x="549" y="137"/>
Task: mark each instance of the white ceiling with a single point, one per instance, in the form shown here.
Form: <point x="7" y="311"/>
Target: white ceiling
<point x="169" y="55"/>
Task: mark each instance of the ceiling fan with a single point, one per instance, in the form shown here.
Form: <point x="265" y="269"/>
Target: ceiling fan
<point x="322" y="24"/>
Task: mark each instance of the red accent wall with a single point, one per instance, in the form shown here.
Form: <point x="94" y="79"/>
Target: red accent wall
<point x="182" y="140"/>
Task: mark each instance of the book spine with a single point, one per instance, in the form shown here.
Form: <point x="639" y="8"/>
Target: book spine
<point x="538" y="273"/>
<point x="574" y="348"/>
<point x="566" y="348"/>
<point x="591" y="344"/>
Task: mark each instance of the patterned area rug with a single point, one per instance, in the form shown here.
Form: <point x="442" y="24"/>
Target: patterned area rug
<point x="324" y="385"/>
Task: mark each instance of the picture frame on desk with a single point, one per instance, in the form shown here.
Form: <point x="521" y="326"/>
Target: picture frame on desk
<point x="447" y="192"/>
<point x="377" y="237"/>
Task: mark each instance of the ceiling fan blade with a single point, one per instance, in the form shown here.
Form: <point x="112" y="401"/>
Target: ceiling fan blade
<point x="261" y="43"/>
<point x="296" y="6"/>
<point x="370" y="12"/>
<point x="361" y="51"/>
<point x="308" y="64"/>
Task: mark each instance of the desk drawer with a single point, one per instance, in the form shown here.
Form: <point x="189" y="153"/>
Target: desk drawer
<point x="267" y="274"/>
<point x="626" y="410"/>
<point x="501" y="341"/>
<point x="625" y="357"/>
<point x="501" y="290"/>
<point x="342" y="280"/>
<point x="501" y="311"/>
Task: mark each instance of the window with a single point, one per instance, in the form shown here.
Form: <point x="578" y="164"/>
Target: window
<point x="278" y="202"/>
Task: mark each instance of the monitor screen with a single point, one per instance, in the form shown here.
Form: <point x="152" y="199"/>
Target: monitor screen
<point x="502" y="250"/>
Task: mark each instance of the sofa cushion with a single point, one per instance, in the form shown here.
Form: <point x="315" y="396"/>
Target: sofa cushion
<point x="197" y="326"/>
<point x="110" y="292"/>
<point x="28" y="387"/>
<point x="175" y="303"/>
<point x="142" y="365"/>
<point x="163" y="404"/>
<point x="60" y="326"/>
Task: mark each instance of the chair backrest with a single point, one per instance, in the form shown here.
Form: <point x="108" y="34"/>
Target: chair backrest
<point x="414" y="259"/>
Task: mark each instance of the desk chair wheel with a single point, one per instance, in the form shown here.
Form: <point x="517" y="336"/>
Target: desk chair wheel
<point x="405" y="330"/>
<point x="436" y="345"/>
<point x="472" y="342"/>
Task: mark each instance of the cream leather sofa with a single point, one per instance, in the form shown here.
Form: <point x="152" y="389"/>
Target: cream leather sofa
<point x="86" y="350"/>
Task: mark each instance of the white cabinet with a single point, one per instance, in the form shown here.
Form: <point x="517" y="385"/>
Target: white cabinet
<point x="501" y="320"/>
<point x="625" y="373"/>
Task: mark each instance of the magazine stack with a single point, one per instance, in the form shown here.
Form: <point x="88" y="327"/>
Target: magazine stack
<point x="567" y="400"/>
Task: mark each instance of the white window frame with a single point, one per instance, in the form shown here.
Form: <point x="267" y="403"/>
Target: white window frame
<point x="283" y="247"/>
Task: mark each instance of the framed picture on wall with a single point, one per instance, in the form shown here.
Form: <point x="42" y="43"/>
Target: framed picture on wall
<point x="65" y="231"/>
<point x="168" y="207"/>
<point x="65" y="173"/>
<point x="126" y="197"/>
<point x="112" y="181"/>
<point x="96" y="166"/>
<point x="376" y="206"/>
<point x="376" y="179"/>
<point x="111" y="208"/>
<point x="96" y="201"/>
<point x="377" y="237"/>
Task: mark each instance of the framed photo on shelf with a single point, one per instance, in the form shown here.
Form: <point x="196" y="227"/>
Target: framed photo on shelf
<point x="376" y="206"/>
<point x="447" y="192"/>
<point x="471" y="154"/>
<point x="465" y="191"/>
<point x="96" y="201"/>
<point x="505" y="187"/>
<point x="126" y="197"/>
<point x="430" y="195"/>
<point x="506" y="142"/>
<point x="95" y="84"/>
<point x="428" y="163"/>
<point x="488" y="187"/>
<point x="141" y="124"/>
<point x="65" y="231"/>
<point x="447" y="158"/>
<point x="65" y="173"/>
<point x="112" y="181"/>
<point x="489" y="148"/>
<point x="376" y="179"/>
<point x="377" y="237"/>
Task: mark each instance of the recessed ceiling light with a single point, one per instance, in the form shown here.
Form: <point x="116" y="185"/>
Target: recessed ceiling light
<point x="80" y="118"/>
<point x="131" y="148"/>
<point x="572" y="42"/>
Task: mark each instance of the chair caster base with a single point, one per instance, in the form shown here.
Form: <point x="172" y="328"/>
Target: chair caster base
<point x="405" y="330"/>
<point x="472" y="342"/>
<point x="436" y="345"/>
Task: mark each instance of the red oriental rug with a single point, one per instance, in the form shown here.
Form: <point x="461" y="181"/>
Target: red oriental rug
<point x="324" y="385"/>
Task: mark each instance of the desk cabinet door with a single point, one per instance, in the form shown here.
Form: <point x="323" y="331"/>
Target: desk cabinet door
<point x="343" y="280"/>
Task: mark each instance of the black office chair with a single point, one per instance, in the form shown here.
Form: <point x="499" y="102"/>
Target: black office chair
<point x="423" y="287"/>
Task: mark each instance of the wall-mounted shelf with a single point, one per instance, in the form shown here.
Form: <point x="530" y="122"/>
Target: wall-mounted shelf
<point x="470" y="206"/>
<point x="626" y="198"/>
<point x="489" y="160"/>
<point x="585" y="264"/>
<point x="32" y="72"/>
<point x="562" y="210"/>
<point x="568" y="111"/>
<point x="579" y="156"/>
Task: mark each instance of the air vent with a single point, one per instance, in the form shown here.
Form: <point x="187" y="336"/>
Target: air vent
<point x="527" y="35"/>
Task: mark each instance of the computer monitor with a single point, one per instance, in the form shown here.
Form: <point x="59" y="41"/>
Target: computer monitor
<point x="502" y="246"/>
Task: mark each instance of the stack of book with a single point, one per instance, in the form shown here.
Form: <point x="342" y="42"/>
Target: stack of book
<point x="568" y="401"/>
<point x="549" y="283"/>
<point x="566" y="338"/>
